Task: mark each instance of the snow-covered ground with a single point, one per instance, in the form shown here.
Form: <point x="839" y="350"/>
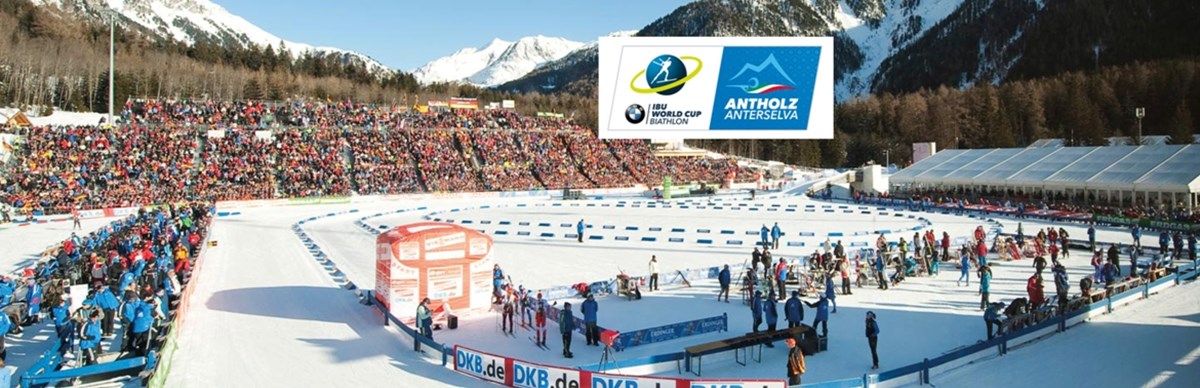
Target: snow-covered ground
<point x="262" y="304"/>
<point x="1152" y="343"/>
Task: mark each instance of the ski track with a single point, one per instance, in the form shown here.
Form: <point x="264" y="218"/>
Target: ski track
<point x="262" y="304"/>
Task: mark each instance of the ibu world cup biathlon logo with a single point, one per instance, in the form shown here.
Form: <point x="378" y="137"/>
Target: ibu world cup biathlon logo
<point x="665" y="75"/>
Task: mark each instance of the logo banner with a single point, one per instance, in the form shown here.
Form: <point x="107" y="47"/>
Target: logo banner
<point x="716" y="88"/>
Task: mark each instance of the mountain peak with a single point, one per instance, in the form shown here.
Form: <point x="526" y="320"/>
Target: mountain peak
<point x="498" y="62"/>
<point x="192" y="21"/>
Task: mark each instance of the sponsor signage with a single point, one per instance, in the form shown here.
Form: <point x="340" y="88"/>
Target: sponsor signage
<point x="738" y="384"/>
<point x="724" y="87"/>
<point x="670" y="332"/>
<point x="463" y="103"/>
<point x="482" y="365"/>
<point x="516" y="373"/>
<point x="530" y="375"/>
<point x="604" y="380"/>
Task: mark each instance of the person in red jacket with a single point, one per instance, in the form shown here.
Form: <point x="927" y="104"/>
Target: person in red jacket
<point x="945" y="245"/>
<point x="1036" y="296"/>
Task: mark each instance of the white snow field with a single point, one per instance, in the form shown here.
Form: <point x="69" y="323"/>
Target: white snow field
<point x="1151" y="343"/>
<point x="264" y="313"/>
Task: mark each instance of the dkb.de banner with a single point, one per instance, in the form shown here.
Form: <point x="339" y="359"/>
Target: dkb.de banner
<point x="512" y="372"/>
<point x="716" y="87"/>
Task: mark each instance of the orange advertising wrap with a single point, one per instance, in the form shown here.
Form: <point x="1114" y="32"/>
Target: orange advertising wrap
<point x="448" y="263"/>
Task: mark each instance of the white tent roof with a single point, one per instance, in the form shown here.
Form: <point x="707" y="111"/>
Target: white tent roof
<point x="1147" y="168"/>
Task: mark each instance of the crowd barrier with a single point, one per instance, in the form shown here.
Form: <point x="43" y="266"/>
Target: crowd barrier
<point x="921" y="373"/>
<point x="511" y="372"/>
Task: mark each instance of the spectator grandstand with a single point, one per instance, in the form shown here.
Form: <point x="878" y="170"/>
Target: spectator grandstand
<point x="175" y="150"/>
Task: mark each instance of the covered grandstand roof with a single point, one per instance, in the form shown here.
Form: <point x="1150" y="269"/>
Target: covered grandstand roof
<point x="1147" y="168"/>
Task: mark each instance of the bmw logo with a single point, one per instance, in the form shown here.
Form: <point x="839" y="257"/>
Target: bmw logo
<point x="635" y="114"/>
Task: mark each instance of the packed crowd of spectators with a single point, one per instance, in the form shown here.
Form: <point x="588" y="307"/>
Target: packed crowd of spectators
<point x="1057" y="202"/>
<point x="175" y="150"/>
<point x="645" y="167"/>
<point x="310" y="163"/>
<point x="236" y="166"/>
<point x="135" y="271"/>
<point x="382" y="163"/>
<point x="551" y="161"/>
<point x="596" y="161"/>
<point x="503" y="166"/>
<point x="64" y="167"/>
<point x="442" y="165"/>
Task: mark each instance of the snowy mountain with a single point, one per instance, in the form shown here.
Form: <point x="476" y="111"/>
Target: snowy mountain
<point x="498" y="62"/>
<point x="905" y="45"/>
<point x="192" y="21"/>
<point x="867" y="32"/>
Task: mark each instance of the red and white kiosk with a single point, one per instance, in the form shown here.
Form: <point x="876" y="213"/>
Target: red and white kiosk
<point x="448" y="263"/>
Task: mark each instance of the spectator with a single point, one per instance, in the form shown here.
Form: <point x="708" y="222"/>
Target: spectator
<point x="770" y="310"/>
<point x="724" y="279"/>
<point x="822" y="318"/>
<point x="991" y="317"/>
<point x="873" y="338"/>
<point x="424" y="322"/>
<point x="794" y="310"/>
<point x="756" y="309"/>
<point x="796" y="366"/>
<point x="566" y="325"/>
<point x="590" y="308"/>
<point x="653" y="285"/>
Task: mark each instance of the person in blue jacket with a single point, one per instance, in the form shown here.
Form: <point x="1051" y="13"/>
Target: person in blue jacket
<point x="763" y="234"/>
<point x="107" y="301"/>
<point x="497" y="281"/>
<point x="63" y="325"/>
<point x="966" y="270"/>
<point x="1092" y="237"/>
<point x="6" y="324"/>
<point x="33" y="295"/>
<point x="1164" y="239"/>
<point x="772" y="314"/>
<point x="127" y="279"/>
<point x="985" y="283"/>
<point x="756" y="309"/>
<point x="879" y="274"/>
<point x="143" y="318"/>
<point x="776" y="233"/>
<point x="724" y="279"/>
<point x="89" y="338"/>
<point x="793" y="310"/>
<point x="128" y="313"/>
<point x="1137" y="237"/>
<point x="1192" y="246"/>
<point x="566" y="325"/>
<point x="579" y="229"/>
<point x="992" y="317"/>
<point x="589" y="309"/>
<point x="830" y="292"/>
<point x="822" y="317"/>
<point x="7" y="289"/>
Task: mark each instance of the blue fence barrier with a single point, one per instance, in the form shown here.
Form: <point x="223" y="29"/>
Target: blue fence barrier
<point x="671" y="331"/>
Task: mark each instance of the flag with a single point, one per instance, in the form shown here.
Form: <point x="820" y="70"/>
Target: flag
<point x="7" y="147"/>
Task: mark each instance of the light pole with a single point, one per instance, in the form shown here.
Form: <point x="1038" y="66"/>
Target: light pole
<point x="112" y="63"/>
<point x="1140" y="112"/>
<point x="887" y="158"/>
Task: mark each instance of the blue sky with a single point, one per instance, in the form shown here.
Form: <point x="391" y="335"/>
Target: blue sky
<point x="405" y="34"/>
